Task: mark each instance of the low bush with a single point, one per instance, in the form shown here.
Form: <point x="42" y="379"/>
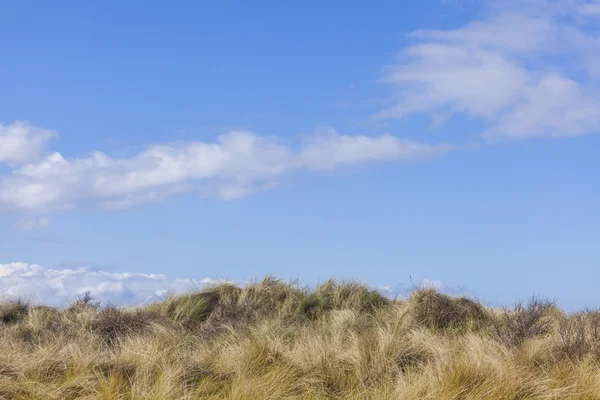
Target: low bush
<point x="435" y="310"/>
<point x="526" y="320"/>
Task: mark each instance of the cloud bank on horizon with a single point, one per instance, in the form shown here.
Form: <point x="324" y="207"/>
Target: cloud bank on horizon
<point x="58" y="287"/>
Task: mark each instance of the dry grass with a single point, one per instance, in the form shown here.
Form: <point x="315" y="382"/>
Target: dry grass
<point x="274" y="340"/>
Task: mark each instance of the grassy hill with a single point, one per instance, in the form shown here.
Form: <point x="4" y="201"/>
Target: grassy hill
<point x="274" y="340"/>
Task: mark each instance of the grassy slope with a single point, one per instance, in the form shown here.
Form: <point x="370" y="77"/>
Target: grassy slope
<point x="272" y="340"/>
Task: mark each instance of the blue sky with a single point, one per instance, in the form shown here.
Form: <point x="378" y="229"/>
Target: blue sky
<point x="145" y="147"/>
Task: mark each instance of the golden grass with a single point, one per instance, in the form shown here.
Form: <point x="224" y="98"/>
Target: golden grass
<point x="274" y="340"/>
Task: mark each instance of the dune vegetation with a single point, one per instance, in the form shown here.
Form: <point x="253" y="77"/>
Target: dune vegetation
<point x="277" y="340"/>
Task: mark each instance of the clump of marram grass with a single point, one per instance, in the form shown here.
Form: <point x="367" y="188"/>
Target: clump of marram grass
<point x="191" y="309"/>
<point x="41" y="318"/>
<point x="13" y="311"/>
<point x="333" y="295"/>
<point x="274" y="339"/>
<point x="435" y="310"/>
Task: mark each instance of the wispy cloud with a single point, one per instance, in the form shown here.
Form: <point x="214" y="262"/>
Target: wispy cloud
<point x="236" y="164"/>
<point x="528" y="69"/>
<point x="60" y="286"/>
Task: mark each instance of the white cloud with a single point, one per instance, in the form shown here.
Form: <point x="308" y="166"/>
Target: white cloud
<point x="20" y="142"/>
<point x="529" y="69"/>
<point x="554" y="106"/>
<point x="29" y="224"/>
<point x="237" y="164"/>
<point x="444" y="77"/>
<point x="59" y="287"/>
<point x="330" y="150"/>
